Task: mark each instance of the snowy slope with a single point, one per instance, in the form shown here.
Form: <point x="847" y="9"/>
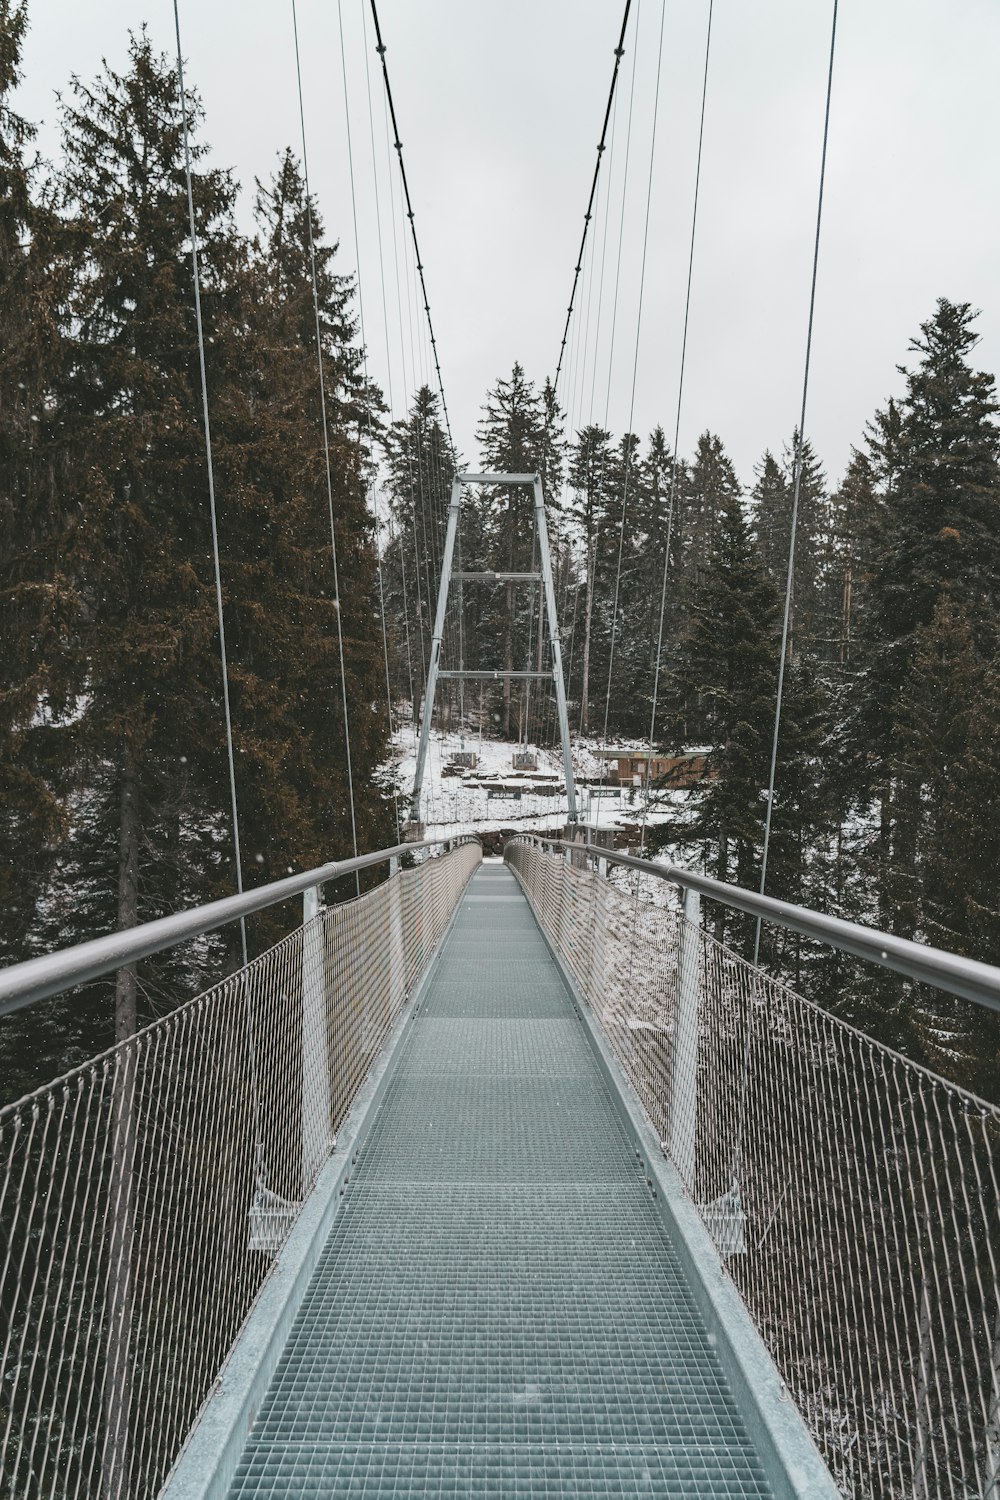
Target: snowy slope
<point x="473" y="799"/>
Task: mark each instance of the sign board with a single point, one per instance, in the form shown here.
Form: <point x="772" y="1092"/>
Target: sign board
<point x="501" y="794"/>
<point x="604" y="791"/>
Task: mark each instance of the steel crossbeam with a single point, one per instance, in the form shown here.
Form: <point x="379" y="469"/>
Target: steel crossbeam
<point x="496" y="674"/>
<point x="460" y="577"/>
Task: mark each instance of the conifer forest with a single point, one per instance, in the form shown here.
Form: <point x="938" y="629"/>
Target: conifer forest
<point x="114" y="798"/>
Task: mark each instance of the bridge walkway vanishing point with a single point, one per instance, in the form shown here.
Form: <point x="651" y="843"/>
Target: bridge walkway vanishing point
<point x="499" y="1308"/>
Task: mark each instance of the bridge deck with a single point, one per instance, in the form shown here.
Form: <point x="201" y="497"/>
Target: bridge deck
<point x="498" y="1310"/>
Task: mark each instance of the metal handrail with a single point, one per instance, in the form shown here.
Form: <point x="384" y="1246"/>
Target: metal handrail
<point x="39" y="978"/>
<point x="950" y="972"/>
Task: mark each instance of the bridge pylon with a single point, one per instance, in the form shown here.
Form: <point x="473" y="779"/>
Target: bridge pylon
<point x="555" y="672"/>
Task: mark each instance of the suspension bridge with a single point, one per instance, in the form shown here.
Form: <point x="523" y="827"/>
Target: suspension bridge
<point x="501" y="1178"/>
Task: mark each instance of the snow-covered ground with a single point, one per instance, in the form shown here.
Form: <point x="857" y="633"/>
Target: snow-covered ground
<point x="474" y="799"/>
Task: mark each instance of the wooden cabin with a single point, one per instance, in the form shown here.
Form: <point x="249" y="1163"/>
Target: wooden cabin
<point x="630" y="767"/>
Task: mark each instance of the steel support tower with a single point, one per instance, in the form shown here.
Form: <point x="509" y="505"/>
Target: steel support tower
<point x="545" y="577"/>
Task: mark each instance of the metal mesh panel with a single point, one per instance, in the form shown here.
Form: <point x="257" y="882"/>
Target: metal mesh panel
<point x="145" y="1194"/>
<point x="853" y="1195"/>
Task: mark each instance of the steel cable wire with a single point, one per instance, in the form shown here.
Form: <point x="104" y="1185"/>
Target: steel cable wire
<point x="434" y="506"/>
<point x="210" y="465"/>
<point x="635" y="371"/>
<point x="407" y="387"/>
<point x="581" y="253"/>
<point x="675" y="458"/>
<point x="790" y="572"/>
<point x="797" y="483"/>
<point x="325" y="421"/>
<point x="388" y="363"/>
<point x="611" y="356"/>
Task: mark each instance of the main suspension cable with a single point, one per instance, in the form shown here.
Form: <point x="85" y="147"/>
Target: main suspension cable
<point x="621" y="222"/>
<point x="398" y="145"/>
<point x="619" y="54"/>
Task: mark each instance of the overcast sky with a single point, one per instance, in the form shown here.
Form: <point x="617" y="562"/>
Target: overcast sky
<point x="500" y="107"/>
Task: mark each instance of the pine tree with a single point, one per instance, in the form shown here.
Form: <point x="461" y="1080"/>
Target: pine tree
<point x="804" y="814"/>
<point x="615" y="603"/>
<point x="592" y="512"/>
<point x="723" y="696"/>
<point x="657" y="518"/>
<point x="773" y="498"/>
<point x="938" y="460"/>
<point x="146" y="649"/>
<point x="941" y="875"/>
<point x="710" y="482"/>
<point x="709" y="487"/>
<point x="420" y="472"/>
<point x="275" y="520"/>
<point x="771" y="504"/>
<point x="36" y="595"/>
<point x="853" y="511"/>
<point x="649" y="519"/>
<point x="552" y="449"/>
<point x="930" y="768"/>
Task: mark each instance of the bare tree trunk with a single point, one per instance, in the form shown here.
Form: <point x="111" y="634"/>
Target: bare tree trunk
<point x="845" y="606"/>
<point x="588" y="616"/>
<point x="121" y="1200"/>
<point x="508" y="658"/>
<point x="421" y="624"/>
<point x="539" y="653"/>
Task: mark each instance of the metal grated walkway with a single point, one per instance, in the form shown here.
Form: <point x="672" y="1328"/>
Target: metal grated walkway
<point x="497" y="1310"/>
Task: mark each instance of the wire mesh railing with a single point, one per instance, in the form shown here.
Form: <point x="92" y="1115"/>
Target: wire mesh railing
<point x="146" y="1194"/>
<point x="852" y="1195"/>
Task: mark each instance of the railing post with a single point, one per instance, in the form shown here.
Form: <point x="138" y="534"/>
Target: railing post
<point x="397" y="950"/>
<point x="598" y="952"/>
<point x="684" y="1077"/>
<point x="315" y="1058"/>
